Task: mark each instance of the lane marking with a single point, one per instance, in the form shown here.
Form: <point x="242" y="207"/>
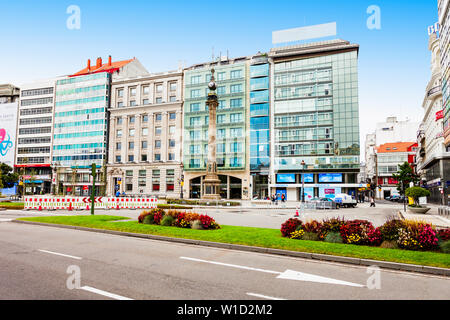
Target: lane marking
<point x="61" y="254"/>
<point x="6" y="220"/>
<point x="231" y="265"/>
<point x="104" y="293"/>
<point x="287" y="275"/>
<point x="263" y="297"/>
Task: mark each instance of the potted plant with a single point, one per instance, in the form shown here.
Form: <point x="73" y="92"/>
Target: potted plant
<point x="416" y="193"/>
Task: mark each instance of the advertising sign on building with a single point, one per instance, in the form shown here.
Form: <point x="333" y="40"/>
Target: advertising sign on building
<point x="8" y="123"/>
<point x="330" y="178"/>
<point x="439" y="115"/>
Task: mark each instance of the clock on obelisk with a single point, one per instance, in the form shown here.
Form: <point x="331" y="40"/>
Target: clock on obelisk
<point x="211" y="183"/>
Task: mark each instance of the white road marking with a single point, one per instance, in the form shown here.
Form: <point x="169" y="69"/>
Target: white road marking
<point x="6" y="220"/>
<point x="300" y="276"/>
<point x="231" y="265"/>
<point x="61" y="254"/>
<point x="263" y="297"/>
<point x="104" y="293"/>
<point x="287" y="275"/>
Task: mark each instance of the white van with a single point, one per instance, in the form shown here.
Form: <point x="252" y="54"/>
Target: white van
<point x="345" y="200"/>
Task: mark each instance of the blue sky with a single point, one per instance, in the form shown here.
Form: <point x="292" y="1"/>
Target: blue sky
<point x="394" y="61"/>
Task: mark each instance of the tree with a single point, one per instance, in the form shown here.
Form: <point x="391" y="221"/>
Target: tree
<point x="416" y="193"/>
<point x="404" y="177"/>
<point x="7" y="176"/>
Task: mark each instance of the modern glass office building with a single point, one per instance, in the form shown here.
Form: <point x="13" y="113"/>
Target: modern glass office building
<point x="315" y="119"/>
<point x="231" y="79"/>
<point x="260" y="125"/>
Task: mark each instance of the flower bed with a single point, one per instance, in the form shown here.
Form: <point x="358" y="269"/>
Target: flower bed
<point x="404" y="234"/>
<point x="180" y="219"/>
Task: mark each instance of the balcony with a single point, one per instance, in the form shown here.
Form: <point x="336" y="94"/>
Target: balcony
<point x="434" y="91"/>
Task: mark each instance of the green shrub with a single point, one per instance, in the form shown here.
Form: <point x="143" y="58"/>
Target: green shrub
<point x="149" y="219"/>
<point x="445" y="246"/>
<point x="167" y="221"/>
<point x="334" y="237"/>
<point x="389" y="244"/>
<point x="311" y="236"/>
<point x="197" y="225"/>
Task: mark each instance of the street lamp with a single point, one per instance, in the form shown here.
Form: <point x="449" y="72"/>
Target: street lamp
<point x="303" y="181"/>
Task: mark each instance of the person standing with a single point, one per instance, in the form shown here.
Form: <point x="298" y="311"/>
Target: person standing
<point x="372" y="202"/>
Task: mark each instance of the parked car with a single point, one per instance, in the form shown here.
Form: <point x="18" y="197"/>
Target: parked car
<point x="394" y="198"/>
<point x="345" y="200"/>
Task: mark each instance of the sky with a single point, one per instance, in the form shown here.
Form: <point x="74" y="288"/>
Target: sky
<point x="394" y="61"/>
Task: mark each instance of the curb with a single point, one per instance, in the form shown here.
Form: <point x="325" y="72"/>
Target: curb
<point x="296" y="254"/>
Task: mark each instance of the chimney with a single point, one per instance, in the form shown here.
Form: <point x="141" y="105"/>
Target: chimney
<point x="109" y="61"/>
<point x="99" y="63"/>
<point x="89" y="65"/>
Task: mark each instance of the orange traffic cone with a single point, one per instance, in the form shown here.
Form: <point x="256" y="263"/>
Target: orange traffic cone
<point x="70" y="206"/>
<point x="87" y="207"/>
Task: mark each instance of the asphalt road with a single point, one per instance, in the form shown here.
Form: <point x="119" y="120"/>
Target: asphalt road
<point x="34" y="262"/>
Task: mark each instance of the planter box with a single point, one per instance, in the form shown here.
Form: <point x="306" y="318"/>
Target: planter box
<point x="418" y="210"/>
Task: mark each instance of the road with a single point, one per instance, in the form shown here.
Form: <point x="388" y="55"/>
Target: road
<point x="35" y="259"/>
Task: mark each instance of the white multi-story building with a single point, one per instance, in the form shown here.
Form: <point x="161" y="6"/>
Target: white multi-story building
<point x="444" y="43"/>
<point x="34" y="135"/>
<point x="145" y="135"/>
<point x="390" y="131"/>
<point x="432" y="159"/>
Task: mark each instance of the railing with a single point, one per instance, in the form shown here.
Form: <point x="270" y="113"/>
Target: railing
<point x="444" y="211"/>
<point x="434" y="90"/>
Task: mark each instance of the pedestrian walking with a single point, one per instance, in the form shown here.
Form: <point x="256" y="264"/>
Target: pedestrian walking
<point x="283" y="198"/>
<point x="372" y="202"/>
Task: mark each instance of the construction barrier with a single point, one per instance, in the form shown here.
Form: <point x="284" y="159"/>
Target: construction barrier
<point x="84" y="203"/>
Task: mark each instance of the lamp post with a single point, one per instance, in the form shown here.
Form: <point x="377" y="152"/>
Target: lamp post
<point x="182" y="181"/>
<point x="303" y="181"/>
<point x="94" y="175"/>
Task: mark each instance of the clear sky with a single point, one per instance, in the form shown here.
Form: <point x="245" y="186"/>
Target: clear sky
<point x="394" y="61"/>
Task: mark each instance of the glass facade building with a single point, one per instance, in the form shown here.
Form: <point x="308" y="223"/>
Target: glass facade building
<point x="80" y="124"/>
<point x="231" y="117"/>
<point x="316" y="117"/>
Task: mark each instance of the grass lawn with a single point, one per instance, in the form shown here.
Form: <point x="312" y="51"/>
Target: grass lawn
<point x="257" y="237"/>
<point x="12" y="205"/>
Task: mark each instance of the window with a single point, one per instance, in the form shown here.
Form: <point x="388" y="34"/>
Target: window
<point x="236" y="132"/>
<point x="222" y="104"/>
<point x="158" y="117"/>
<point x="119" y="121"/>
<point x="131" y="132"/>
<point x="171" y="156"/>
<point x="157" y="157"/>
<point x="119" y="146"/>
<point x="145" y="118"/>
<point x="130" y="158"/>
<point x="195" y="107"/>
<point x="221" y="90"/>
<point x="158" y="100"/>
<point x="144" y="144"/>
<point x="120" y="93"/>
<point x="118" y="159"/>
<point x="143" y="157"/>
<point x="133" y="103"/>
<point x="132" y="92"/>
<point x="220" y="118"/>
<point x="221" y="133"/>
<point x="236" y="74"/>
<point x="194" y="121"/>
<point x="157" y="144"/>
<point x="195" y="79"/>
<point x="236" y="103"/>
<point x="221" y="147"/>
<point x="235" y="117"/>
<point x="171" y="143"/>
<point x="129" y="173"/>
<point x="132" y="119"/>
<point x="158" y="131"/>
<point x="172" y="116"/>
<point x="236" y="147"/>
<point x="195" y="93"/>
<point x="221" y="76"/>
<point x="170" y="180"/>
<point x="120" y="104"/>
<point x="172" y="129"/>
<point x="173" y="86"/>
<point x="119" y="133"/>
<point x="146" y="90"/>
<point x="159" y="88"/>
<point x="131" y="145"/>
<point x="173" y="98"/>
<point x="145" y="131"/>
<point x="236" y="88"/>
<point x="145" y="101"/>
